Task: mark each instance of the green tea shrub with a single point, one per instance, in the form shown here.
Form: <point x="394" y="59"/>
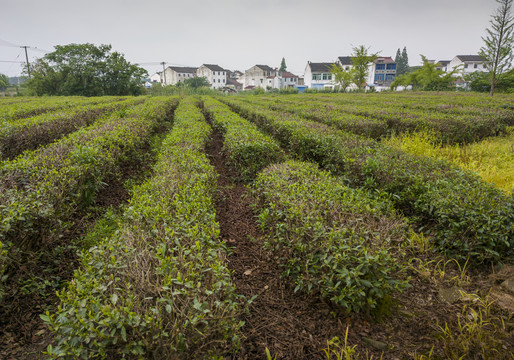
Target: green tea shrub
<point x="158" y="288"/>
<point x="333" y="239"/>
<point x="465" y="216"/>
<point x="248" y="149"/>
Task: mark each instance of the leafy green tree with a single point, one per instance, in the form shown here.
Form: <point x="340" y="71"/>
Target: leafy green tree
<point x="344" y="78"/>
<point x="427" y="77"/>
<point x="283" y="66"/>
<point x="361" y="61"/>
<point x="197" y="82"/>
<point x="4" y="81"/>
<point x="85" y="69"/>
<point x="499" y="41"/>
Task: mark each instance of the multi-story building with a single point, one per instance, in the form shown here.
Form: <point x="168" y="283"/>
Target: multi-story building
<point x="382" y="72"/>
<point x="318" y="76"/>
<point x="175" y="74"/>
<point x="469" y="64"/>
<point x="257" y="76"/>
<point x="215" y="74"/>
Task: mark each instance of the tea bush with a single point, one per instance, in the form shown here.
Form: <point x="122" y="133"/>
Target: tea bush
<point x="335" y="240"/>
<point x="465" y="216"/>
<point x="248" y="149"/>
<point x="158" y="288"/>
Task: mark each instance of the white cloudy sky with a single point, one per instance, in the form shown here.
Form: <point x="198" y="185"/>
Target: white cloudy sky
<point x="237" y="34"/>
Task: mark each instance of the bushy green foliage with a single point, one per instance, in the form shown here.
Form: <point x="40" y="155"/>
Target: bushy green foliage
<point x="33" y="132"/>
<point x="334" y="240"/>
<point x="158" y="287"/>
<point x="42" y="190"/>
<point x="87" y="70"/>
<point x="248" y="149"/>
<point x="465" y="216"/>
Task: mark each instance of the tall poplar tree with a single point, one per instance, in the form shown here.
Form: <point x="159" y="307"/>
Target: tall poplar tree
<point x="497" y="50"/>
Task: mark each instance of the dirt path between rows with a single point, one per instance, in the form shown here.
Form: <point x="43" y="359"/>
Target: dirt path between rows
<point x="291" y="325"/>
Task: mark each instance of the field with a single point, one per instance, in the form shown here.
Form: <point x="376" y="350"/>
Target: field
<point x="308" y="226"/>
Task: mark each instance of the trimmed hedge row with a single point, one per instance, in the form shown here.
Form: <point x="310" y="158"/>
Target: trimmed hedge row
<point x="31" y="133"/>
<point x="465" y="216"/>
<point x="375" y="120"/>
<point x="248" y="149"/>
<point x="333" y="239"/>
<point x="42" y="190"/>
<point x="158" y="288"/>
<point x="20" y="109"/>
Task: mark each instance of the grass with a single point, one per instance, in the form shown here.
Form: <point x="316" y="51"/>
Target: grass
<point x="492" y="159"/>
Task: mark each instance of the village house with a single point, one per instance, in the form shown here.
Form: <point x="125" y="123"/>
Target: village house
<point x="156" y="78"/>
<point x="176" y="74"/>
<point x="382" y="72"/>
<point x="215" y="74"/>
<point x="469" y="64"/>
<point x="318" y="76"/>
<point x="258" y="76"/>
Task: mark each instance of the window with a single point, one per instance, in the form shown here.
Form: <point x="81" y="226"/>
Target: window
<point x="390" y="77"/>
<point x="475" y="66"/>
<point x="347" y="68"/>
<point x="327" y="76"/>
<point x="380" y="67"/>
<point x="379" y="77"/>
<point x="465" y="66"/>
<point x="391" y="67"/>
<point x="316" y="76"/>
<point x="219" y="80"/>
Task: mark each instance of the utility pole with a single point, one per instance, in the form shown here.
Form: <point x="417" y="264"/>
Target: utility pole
<point x="27" y="58"/>
<point x="164" y="71"/>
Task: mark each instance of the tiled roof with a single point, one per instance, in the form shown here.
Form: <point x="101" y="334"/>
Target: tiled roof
<point x="286" y="74"/>
<point x="213" y="67"/>
<point x="180" y="69"/>
<point x="320" y="67"/>
<point x="470" y="58"/>
<point x="386" y="60"/>
<point x="345" y="60"/>
<point x="264" y="67"/>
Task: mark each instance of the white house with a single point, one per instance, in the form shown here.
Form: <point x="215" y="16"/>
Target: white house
<point x="176" y="74"/>
<point x="215" y="74"/>
<point x="156" y="78"/>
<point x="471" y="64"/>
<point x="259" y="76"/>
<point x="318" y="76"/>
<point x="289" y="80"/>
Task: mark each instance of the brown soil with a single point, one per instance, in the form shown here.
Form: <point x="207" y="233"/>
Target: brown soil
<point x="291" y="325"/>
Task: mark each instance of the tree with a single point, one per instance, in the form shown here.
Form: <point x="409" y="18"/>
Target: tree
<point x="4" y="81"/>
<point x="497" y="50"/>
<point x="283" y="66"/>
<point x="342" y="77"/>
<point x="197" y="82"/>
<point x="402" y="61"/>
<point x="427" y="77"/>
<point x="361" y="62"/>
<point x="398" y="61"/>
<point x="85" y="69"/>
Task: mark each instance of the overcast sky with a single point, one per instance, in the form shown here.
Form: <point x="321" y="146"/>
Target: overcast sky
<point x="237" y="34"/>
